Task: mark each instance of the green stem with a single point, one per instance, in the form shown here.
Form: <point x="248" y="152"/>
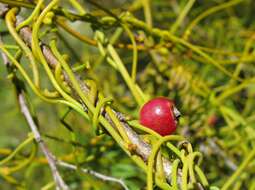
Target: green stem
<point x="71" y="76"/>
<point x="36" y="49"/>
<point x="182" y="16"/>
<point x="235" y="89"/>
<point x="207" y="13"/>
<point x="78" y="6"/>
<point x="18" y="3"/>
<point x="147" y="12"/>
<point x="10" y="17"/>
<point x="100" y="104"/>
<point x="135" y="53"/>
<point x="25" y="162"/>
<point x="164" y="34"/>
<point x="201" y="176"/>
<point x="32" y="17"/>
<point x="75" y="106"/>
<point x="133" y="88"/>
<point x="201" y="53"/>
<point x="136" y="124"/>
<point x="174" y="174"/>
<point x="154" y="152"/>
<point x="21" y="146"/>
<point x="184" y="176"/>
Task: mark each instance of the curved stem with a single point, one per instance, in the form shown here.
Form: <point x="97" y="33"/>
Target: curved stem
<point x="174" y="174"/>
<point x="32" y="17"/>
<point x="36" y="49"/>
<point x="25" y="162"/>
<point x="76" y="106"/>
<point x="154" y="152"/>
<point x="10" y="17"/>
<point x="21" y="146"/>
<point x="182" y="15"/>
<point x="207" y="13"/>
<point x="135" y="54"/>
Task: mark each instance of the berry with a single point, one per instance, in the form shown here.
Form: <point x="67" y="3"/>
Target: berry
<point x="212" y="120"/>
<point x="160" y="115"/>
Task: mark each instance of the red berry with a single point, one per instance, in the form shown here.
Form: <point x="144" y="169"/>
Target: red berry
<point x="212" y="120"/>
<point x="160" y="115"/>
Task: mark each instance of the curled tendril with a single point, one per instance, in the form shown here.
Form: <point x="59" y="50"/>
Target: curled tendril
<point x="10" y="20"/>
<point x="32" y="17"/>
<point x="154" y="151"/>
<point x="59" y="77"/>
<point x="99" y="106"/>
<point x="20" y="147"/>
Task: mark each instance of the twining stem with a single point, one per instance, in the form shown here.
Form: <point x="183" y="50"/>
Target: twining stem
<point x="10" y="18"/>
<point x="21" y="146"/>
<point x="32" y="17"/>
<point x="125" y="75"/>
<point x="182" y="16"/>
<point x="135" y="53"/>
<point x="212" y="10"/>
<point x="75" y="106"/>
<point x="153" y="154"/>
<point x="147" y="12"/>
<point x="78" y="6"/>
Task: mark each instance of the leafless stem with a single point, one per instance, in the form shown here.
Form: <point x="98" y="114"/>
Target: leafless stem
<point x="218" y="151"/>
<point x="94" y="173"/>
<point x="3" y="9"/>
<point x="60" y="184"/>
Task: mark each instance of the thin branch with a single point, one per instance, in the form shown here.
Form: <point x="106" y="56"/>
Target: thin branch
<point x="3" y="9"/>
<point x="94" y="173"/>
<point x="218" y="151"/>
<point x="60" y="184"/>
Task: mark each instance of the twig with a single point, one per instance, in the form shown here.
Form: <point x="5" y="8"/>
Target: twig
<point x="94" y="173"/>
<point x="3" y="9"/>
<point x="60" y="184"/>
<point x="50" y="158"/>
<point x="218" y="151"/>
<point x="211" y="146"/>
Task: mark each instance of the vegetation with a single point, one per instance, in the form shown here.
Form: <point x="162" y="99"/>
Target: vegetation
<point x="74" y="75"/>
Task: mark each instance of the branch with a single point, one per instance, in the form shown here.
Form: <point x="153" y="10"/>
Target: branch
<point x="60" y="184"/>
<point x="94" y="173"/>
<point x="3" y="9"/>
<point x="50" y="158"/>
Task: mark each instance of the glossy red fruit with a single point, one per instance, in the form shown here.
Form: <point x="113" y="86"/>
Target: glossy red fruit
<point x="160" y="115"/>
